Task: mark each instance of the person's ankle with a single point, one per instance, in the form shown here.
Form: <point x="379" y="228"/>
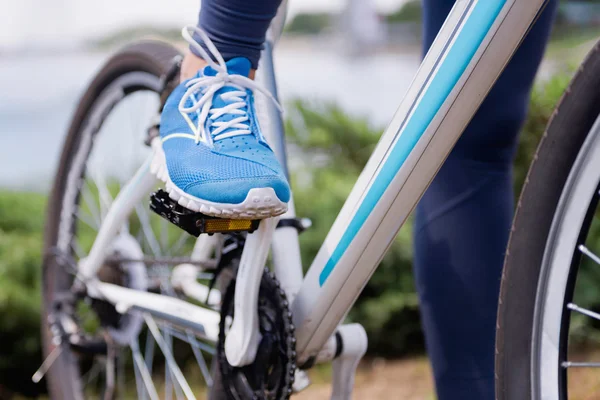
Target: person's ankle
<point x="191" y="64"/>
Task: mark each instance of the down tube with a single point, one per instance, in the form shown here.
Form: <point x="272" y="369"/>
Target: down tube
<point x="470" y="52"/>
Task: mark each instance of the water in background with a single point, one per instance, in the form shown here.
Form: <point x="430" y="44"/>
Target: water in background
<point x="39" y="94"/>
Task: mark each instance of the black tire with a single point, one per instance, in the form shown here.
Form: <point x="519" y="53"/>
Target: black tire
<point x="150" y="58"/>
<point x="560" y="145"/>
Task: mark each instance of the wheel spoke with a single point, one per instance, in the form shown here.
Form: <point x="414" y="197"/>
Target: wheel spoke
<point x="164" y="236"/>
<point x="199" y="358"/>
<point x="126" y="222"/>
<point x="92" y="374"/>
<point x="149" y="351"/>
<point x="169" y="340"/>
<point x="184" y="338"/>
<point x="139" y="236"/>
<point x="147" y="229"/>
<point x="584" y="311"/>
<point x="139" y="383"/>
<point x="168" y="356"/>
<point x="103" y="192"/>
<point x="572" y="364"/>
<point x="183" y="238"/>
<point x="89" y="200"/>
<point x="168" y="373"/>
<point x="77" y="249"/>
<point x="86" y="220"/>
<point x="141" y="365"/>
<point x="589" y="253"/>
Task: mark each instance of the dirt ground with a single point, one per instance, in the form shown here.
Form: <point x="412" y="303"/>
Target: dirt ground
<point x="381" y="380"/>
<point x="411" y="379"/>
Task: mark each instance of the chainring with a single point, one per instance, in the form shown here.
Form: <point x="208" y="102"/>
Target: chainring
<point x="271" y="375"/>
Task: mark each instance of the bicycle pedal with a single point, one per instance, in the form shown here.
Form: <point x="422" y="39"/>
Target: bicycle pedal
<point x="196" y="223"/>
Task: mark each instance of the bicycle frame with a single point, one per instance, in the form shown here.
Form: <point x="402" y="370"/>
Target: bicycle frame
<point x="475" y="43"/>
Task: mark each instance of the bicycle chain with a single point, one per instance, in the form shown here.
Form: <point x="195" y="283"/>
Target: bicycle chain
<point x="272" y="287"/>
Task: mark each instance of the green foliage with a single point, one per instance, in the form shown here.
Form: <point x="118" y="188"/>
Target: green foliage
<point x="21" y="225"/>
<point x="409" y="12"/>
<point x="306" y="24"/>
<point x="21" y="212"/>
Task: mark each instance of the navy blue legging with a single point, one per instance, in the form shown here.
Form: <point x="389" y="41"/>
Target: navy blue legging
<point x="237" y="27"/>
<point x="463" y="221"/>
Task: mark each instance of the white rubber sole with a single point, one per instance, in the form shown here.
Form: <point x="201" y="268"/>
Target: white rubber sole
<point x="260" y="203"/>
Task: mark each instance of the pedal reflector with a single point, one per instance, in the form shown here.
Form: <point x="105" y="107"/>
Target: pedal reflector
<point x="227" y="225"/>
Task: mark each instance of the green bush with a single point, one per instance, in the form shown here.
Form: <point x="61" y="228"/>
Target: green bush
<point x="21" y="225"/>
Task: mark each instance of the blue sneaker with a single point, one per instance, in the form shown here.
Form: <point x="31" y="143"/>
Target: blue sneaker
<point x="211" y="153"/>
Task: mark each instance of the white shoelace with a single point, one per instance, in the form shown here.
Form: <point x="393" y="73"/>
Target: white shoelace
<point x="207" y="86"/>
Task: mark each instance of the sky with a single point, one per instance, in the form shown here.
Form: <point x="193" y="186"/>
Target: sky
<point x="37" y="23"/>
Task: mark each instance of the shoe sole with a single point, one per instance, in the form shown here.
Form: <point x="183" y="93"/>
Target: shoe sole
<point x="260" y="203"/>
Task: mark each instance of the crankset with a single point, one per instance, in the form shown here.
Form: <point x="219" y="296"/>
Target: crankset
<point x="271" y="375"/>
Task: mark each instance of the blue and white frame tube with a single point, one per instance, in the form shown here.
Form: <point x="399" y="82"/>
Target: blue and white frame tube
<point x="471" y="50"/>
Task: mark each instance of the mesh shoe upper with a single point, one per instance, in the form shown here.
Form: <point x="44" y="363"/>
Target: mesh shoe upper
<point x="223" y="165"/>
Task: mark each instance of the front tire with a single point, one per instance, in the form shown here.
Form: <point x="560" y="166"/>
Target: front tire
<point x="526" y="272"/>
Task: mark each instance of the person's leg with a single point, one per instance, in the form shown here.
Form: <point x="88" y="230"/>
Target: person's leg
<point x="463" y="221"/>
<point x="237" y="27"/>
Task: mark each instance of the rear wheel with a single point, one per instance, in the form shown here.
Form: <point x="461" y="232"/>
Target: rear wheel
<point x="550" y="294"/>
<point x="114" y="355"/>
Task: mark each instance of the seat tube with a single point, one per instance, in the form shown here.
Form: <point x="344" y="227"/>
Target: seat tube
<point x="285" y="246"/>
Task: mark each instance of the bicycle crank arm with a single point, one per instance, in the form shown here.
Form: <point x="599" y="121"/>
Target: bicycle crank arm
<point x="243" y="338"/>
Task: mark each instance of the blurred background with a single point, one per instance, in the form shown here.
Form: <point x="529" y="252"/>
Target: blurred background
<point x="332" y="55"/>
